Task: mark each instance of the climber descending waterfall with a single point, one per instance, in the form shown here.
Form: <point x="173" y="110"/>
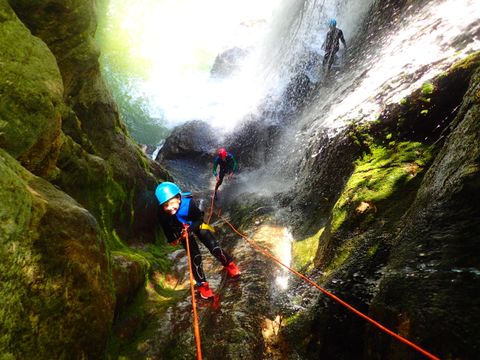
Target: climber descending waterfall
<point x="331" y="45"/>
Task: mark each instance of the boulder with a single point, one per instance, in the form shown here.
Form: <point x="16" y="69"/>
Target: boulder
<point x="227" y="62"/>
<point x="194" y="139"/>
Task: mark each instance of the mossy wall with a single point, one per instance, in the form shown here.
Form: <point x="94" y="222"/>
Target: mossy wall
<point x="57" y="296"/>
<point x="30" y="96"/>
<point x="61" y="286"/>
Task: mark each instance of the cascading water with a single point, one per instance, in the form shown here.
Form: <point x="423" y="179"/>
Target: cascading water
<point x="387" y="62"/>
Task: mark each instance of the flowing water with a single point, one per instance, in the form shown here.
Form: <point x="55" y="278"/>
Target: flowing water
<point x="385" y="63"/>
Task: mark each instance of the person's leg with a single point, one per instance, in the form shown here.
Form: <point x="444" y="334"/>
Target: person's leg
<point x="332" y="58"/>
<point x="207" y="238"/>
<point x="221" y="175"/>
<point x="195" y="260"/>
<point x="326" y="58"/>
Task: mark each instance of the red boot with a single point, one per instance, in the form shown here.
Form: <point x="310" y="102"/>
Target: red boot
<point x="233" y="269"/>
<point x="205" y="291"/>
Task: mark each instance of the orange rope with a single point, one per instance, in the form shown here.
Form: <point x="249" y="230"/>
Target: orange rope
<point x="351" y="308"/>
<point x="196" y="328"/>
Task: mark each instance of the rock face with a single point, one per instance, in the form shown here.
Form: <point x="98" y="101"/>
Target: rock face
<point x="194" y="139"/>
<point x="227" y="62"/>
<point x="60" y="134"/>
<point x="434" y="256"/>
<point x="57" y="297"/>
<point x="31" y="97"/>
<point x="399" y="239"/>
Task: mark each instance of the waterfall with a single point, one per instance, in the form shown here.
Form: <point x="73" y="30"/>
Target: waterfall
<point x="387" y="60"/>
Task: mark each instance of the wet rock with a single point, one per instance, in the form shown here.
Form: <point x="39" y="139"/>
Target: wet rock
<point x="227" y="62"/>
<point x="194" y="140"/>
<point x="128" y="276"/>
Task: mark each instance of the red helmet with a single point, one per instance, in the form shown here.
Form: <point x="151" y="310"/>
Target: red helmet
<point x="222" y="153"/>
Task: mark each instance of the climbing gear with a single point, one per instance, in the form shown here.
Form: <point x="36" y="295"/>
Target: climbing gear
<point x="332" y="296"/>
<point x="222" y="152"/>
<point x="332" y="22"/>
<point x="204" y="226"/>
<point x="196" y="328"/>
<point x="165" y="191"/>
<point x="232" y="269"/>
<point x="205" y="291"/>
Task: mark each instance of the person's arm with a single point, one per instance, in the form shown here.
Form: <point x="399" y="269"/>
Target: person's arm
<point x="235" y="165"/>
<point x="195" y="215"/>
<point x="342" y="39"/>
<point x="215" y="164"/>
<point x="168" y="229"/>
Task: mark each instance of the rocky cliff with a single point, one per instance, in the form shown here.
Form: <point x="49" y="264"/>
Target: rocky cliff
<point x="76" y="190"/>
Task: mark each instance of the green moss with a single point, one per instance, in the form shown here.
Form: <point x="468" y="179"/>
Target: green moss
<point x="30" y="96"/>
<point x="472" y="61"/>
<point x="378" y="175"/>
<point x="427" y="88"/>
<point x="304" y="251"/>
<point x="56" y="293"/>
<point x="134" y="326"/>
<point x="373" y="250"/>
<point x="342" y="254"/>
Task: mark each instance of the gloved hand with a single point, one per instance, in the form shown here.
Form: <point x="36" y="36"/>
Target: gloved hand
<point x="175" y="242"/>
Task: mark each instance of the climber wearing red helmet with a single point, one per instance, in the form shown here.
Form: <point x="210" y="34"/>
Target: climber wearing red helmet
<point x="228" y="165"/>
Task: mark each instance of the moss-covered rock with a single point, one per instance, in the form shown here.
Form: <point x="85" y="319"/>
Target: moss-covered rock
<point x="125" y="196"/>
<point x="434" y="260"/>
<point x="57" y="296"/>
<point x="31" y="93"/>
<point x="402" y="238"/>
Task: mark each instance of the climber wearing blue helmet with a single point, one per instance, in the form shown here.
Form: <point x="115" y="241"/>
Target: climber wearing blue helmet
<point x="179" y="209"/>
<point x="332" y="44"/>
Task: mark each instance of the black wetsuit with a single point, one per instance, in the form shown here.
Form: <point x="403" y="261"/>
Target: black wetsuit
<point x="227" y="166"/>
<point x="173" y="225"/>
<point x="332" y="44"/>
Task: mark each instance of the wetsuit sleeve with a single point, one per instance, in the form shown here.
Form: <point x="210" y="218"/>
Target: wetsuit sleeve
<point x="235" y="165"/>
<point x="168" y="229"/>
<point x="195" y="215"/>
<point x="215" y="164"/>
<point x="342" y="39"/>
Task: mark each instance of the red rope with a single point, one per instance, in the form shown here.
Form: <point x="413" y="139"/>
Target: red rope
<point x="337" y="299"/>
<point x="196" y="328"/>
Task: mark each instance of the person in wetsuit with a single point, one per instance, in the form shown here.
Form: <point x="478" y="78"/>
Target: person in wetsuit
<point x="332" y="44"/>
<point x="228" y="165"/>
<point x="179" y="209"/>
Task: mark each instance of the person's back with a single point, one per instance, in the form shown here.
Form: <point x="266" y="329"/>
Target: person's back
<point x="228" y="165"/>
<point x="332" y="44"/>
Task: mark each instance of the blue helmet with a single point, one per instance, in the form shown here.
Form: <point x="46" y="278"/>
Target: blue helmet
<point x="332" y="22"/>
<point x="165" y="191"/>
